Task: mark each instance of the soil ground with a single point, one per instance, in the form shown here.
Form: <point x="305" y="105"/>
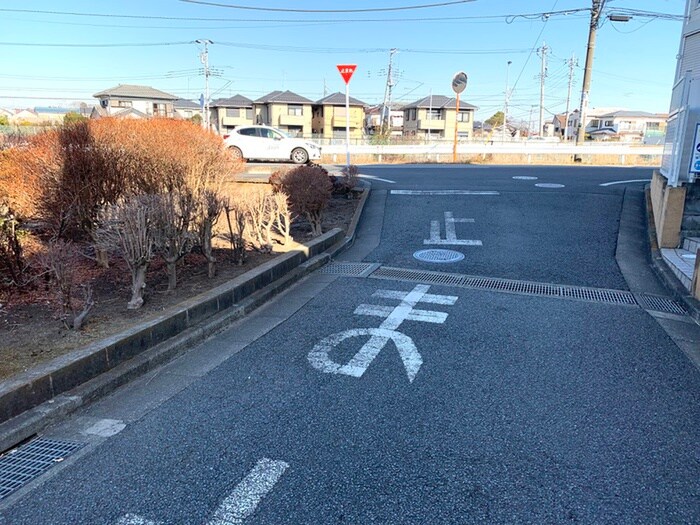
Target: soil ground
<point x="31" y="331"/>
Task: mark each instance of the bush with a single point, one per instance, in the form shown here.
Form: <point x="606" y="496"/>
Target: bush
<point x="13" y="265"/>
<point x="309" y="190"/>
<point x="344" y="184"/>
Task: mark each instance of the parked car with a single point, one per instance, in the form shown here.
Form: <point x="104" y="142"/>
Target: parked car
<point x="267" y="143"/>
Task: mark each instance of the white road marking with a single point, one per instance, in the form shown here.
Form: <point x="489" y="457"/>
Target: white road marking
<point x="450" y="233"/>
<point x="376" y="178"/>
<point x="624" y="182"/>
<point x="319" y="357"/>
<point x="105" y="428"/>
<point x="549" y="185"/>
<point x="524" y="177"/>
<point x="443" y="192"/>
<point x="133" y="519"/>
<point x="246" y="496"/>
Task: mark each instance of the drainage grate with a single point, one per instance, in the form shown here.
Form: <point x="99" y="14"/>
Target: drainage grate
<point x="353" y="269"/>
<point x="21" y="465"/>
<point x="660" y="304"/>
<point x="598" y="295"/>
<point x="438" y="256"/>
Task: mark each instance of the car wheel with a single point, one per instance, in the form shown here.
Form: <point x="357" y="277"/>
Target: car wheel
<point x="299" y="156"/>
<point x="236" y="153"/>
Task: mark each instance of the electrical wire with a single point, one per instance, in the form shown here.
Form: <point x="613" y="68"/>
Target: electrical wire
<point x="367" y="10"/>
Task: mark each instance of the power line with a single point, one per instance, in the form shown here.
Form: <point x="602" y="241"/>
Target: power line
<point x="125" y="44"/>
<point x="367" y="10"/>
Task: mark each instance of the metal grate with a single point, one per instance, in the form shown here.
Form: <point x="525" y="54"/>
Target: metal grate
<point x="598" y="295"/>
<point x="21" y="465"/>
<point x="438" y="256"/>
<point x="353" y="269"/>
<point x="660" y="304"/>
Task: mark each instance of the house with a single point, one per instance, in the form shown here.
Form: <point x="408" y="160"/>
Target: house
<point x="434" y="117"/>
<point x="626" y="126"/>
<point x="285" y="110"/>
<point x="230" y="113"/>
<point x="373" y="119"/>
<point x="186" y="109"/>
<point x="329" y="118"/>
<point x="132" y="101"/>
<point x="25" y="117"/>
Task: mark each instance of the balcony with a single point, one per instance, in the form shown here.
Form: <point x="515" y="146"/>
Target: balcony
<point x="433" y="124"/>
<point x="292" y="120"/>
<point x="342" y="121"/>
<point x="235" y="121"/>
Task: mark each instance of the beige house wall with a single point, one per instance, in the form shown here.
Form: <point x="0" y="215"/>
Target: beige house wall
<point x="334" y="117"/>
<point x="443" y="127"/>
<point x="277" y="116"/>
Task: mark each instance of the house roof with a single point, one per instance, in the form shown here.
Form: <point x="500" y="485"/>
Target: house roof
<point x="283" y="97"/>
<point x="133" y="91"/>
<point x="625" y="113"/>
<point x="183" y="103"/>
<point x="236" y="101"/>
<point x="338" y="99"/>
<point x="439" y="102"/>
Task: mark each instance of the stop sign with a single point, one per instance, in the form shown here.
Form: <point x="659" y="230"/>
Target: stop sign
<point x="346" y="71"/>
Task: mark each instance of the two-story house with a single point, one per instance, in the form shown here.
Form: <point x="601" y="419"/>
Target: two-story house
<point x="330" y="118"/>
<point x="126" y="100"/>
<point x="230" y="113"/>
<point x="187" y="109"/>
<point x="393" y="119"/>
<point x="287" y="111"/>
<point x="626" y="126"/>
<point x="434" y="117"/>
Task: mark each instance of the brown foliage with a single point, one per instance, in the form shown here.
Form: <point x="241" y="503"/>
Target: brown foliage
<point x="309" y="190"/>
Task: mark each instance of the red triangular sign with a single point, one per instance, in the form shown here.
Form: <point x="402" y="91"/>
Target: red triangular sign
<point x="346" y="71"/>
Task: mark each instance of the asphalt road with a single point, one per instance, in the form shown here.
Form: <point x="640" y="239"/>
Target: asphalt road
<point x="359" y="400"/>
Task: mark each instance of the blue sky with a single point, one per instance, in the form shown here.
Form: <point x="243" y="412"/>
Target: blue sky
<point x="634" y="62"/>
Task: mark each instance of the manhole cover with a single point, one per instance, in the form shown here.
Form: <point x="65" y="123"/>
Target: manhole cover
<point x="524" y="177"/>
<point x="438" y="256"/>
<point x="549" y="185"/>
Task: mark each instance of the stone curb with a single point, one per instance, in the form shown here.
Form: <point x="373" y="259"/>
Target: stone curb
<point x="691" y="304"/>
<point x="32" y="400"/>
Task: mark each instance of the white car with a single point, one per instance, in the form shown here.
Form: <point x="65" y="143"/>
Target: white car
<point x="266" y="143"/>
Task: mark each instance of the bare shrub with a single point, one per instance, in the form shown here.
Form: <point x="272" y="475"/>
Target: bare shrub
<point x="173" y="239"/>
<point x="60" y="261"/>
<point x="127" y="228"/>
<point x="343" y="184"/>
<point x="13" y="265"/>
<point x="309" y="190"/>
<point x="258" y="206"/>
<point x="236" y="229"/>
<point x="209" y="207"/>
<point x="283" y="217"/>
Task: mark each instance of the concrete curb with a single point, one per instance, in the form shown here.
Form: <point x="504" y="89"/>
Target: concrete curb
<point x="32" y="400"/>
<point x="691" y="304"/>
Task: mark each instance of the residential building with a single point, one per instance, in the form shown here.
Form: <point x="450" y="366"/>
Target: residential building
<point x="285" y="110"/>
<point x="330" y="118"/>
<point x="373" y="119"/>
<point x="25" y="117"/>
<point x="434" y="117"/>
<point x="230" y="113"/>
<point x="186" y="109"/>
<point x="131" y="101"/>
<point x="626" y="126"/>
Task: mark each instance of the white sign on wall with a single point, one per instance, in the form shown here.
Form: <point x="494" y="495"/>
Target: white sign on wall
<point x="695" y="157"/>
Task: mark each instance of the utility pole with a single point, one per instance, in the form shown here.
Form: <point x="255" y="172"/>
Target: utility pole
<point x="386" y="110"/>
<point x="204" y="57"/>
<point x="572" y="64"/>
<point x="543" y="73"/>
<point x="596" y="10"/>
<point x="505" y="104"/>
<point x="430" y="116"/>
<point x="325" y="89"/>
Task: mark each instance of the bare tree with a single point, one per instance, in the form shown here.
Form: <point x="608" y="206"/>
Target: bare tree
<point x="172" y="234"/>
<point x="127" y="229"/>
<point x="261" y="216"/>
<point x="236" y="229"/>
<point x="282" y="216"/>
<point x="209" y="210"/>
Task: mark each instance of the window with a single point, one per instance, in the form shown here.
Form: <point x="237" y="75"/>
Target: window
<point x="124" y="104"/>
<point x="608" y="123"/>
<point x="159" y="109"/>
<point x="653" y="125"/>
<point x="463" y="116"/>
<point x="434" y="114"/>
<point x="625" y="124"/>
<point x="248" y="132"/>
<point x="295" y="110"/>
<point x="412" y="114"/>
<point x="595" y="123"/>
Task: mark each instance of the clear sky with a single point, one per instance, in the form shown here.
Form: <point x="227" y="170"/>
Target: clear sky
<point x="255" y="51"/>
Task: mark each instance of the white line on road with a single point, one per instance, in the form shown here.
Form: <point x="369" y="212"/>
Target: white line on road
<point x="425" y="316"/>
<point x="133" y="519"/>
<point x="450" y="233"/>
<point x="246" y="496"/>
<point x="443" y="192"/>
<point x="427" y="298"/>
<point x="376" y="178"/>
<point x="624" y="182"/>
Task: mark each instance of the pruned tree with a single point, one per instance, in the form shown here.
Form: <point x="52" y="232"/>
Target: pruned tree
<point x="173" y="238"/>
<point x="237" y="219"/>
<point x="309" y="190"/>
<point x="282" y="216"/>
<point x="259" y="208"/>
<point x="127" y="228"/>
<point x="209" y="207"/>
<point x="60" y="261"/>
